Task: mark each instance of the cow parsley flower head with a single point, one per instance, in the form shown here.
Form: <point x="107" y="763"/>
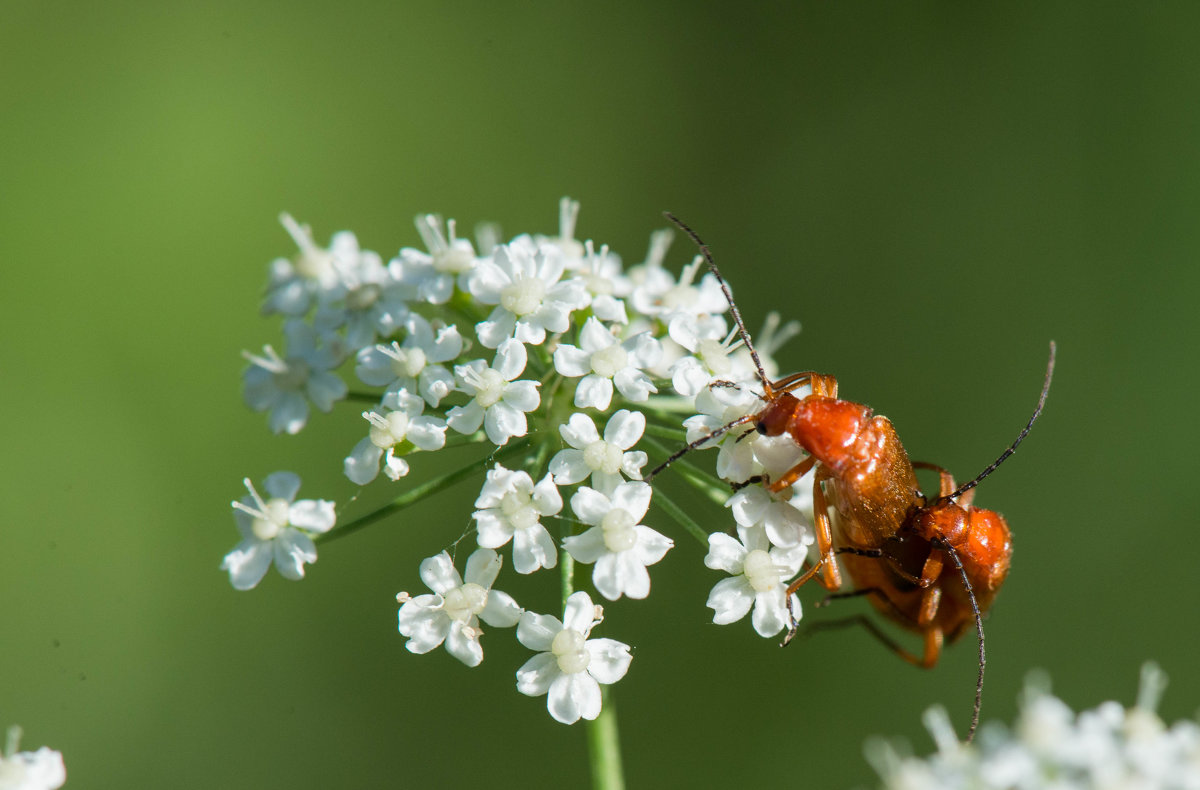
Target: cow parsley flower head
<point x="451" y="614"/>
<point x="279" y="529"/>
<point x="570" y="667"/>
<point x="560" y="374"/>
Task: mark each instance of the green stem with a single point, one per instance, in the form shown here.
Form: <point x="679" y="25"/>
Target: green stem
<point x="683" y="519"/>
<point x="707" y="484"/>
<point x="604" y="747"/>
<point x="423" y="491"/>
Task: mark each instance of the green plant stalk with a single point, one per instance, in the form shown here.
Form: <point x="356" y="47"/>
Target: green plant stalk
<point x="604" y="746"/>
<point x="683" y="519"/>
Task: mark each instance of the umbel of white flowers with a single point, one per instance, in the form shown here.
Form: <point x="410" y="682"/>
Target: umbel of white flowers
<point x="1051" y="746"/>
<point x="562" y="367"/>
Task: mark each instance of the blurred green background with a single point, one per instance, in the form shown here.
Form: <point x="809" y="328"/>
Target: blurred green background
<point x="935" y="191"/>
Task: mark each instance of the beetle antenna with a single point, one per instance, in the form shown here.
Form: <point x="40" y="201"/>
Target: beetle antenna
<point x="693" y="445"/>
<point x="978" y="627"/>
<point x="1012" y="448"/>
<point x="737" y="316"/>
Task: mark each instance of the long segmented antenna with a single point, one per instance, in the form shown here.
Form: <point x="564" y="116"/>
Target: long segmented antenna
<point x="979" y="628"/>
<point x="737" y="316"/>
<point x="708" y="437"/>
<point x="1012" y="448"/>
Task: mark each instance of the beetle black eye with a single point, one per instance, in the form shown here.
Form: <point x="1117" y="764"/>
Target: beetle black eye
<point x="761" y="427"/>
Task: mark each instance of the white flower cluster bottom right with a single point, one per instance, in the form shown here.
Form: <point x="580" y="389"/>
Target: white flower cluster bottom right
<point x="1051" y="746"/>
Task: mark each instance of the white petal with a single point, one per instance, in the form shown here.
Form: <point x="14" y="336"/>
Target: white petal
<point x="535" y="675"/>
<point x="530" y="330"/>
<point x="248" y="564"/>
<point x="770" y="612"/>
<point x="594" y="337"/>
<point x="580" y="431"/>
<point x="439" y="574"/>
<point x="574" y="696"/>
<point x="362" y="465"/>
<point x="435" y="383"/>
<point x="465" y="419"/>
<point x="579" y="613"/>
<point x="426" y="630"/>
<point x="651" y="546"/>
<point x="488" y="279"/>
<point x="608" y="308"/>
<point x="292" y="549"/>
<point x="590" y="505"/>
<point x="427" y="433"/>
<point x="501" y="610"/>
<point x="625" y="428"/>
<point x="464" y="645"/>
<point x="546" y="499"/>
<point x="511" y="357"/>
<point x="633" y="497"/>
<point x="725" y="553"/>
<point x="449" y="344"/>
<point x="588" y="547"/>
<point x="730" y="600"/>
<point x="632" y="463"/>
<point x="568" y="467"/>
<point x="646" y="350"/>
<point x="533" y="548"/>
<point x="316" y="515"/>
<point x="593" y="391"/>
<point x="610" y="576"/>
<point x="283" y="485"/>
<point x="502" y="422"/>
<point x="632" y="576"/>
<point x="634" y="384"/>
<point x="492" y="528"/>
<point x="482" y="568"/>
<point x="537" y="631"/>
<point x="571" y="362"/>
<point x="522" y="395"/>
<point x="497" y="329"/>
<point x="610" y="659"/>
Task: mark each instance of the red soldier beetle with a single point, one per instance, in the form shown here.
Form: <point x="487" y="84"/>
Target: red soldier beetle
<point x="895" y="541"/>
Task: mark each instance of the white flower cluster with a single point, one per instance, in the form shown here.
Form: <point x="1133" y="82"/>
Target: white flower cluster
<point x="1053" y="747"/>
<point x="40" y="770"/>
<point x="564" y="367"/>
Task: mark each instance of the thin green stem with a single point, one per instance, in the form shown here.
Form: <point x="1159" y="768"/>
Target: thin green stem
<point x="423" y="491"/>
<point x="604" y="747"/>
<point x="683" y="519"/>
<point x="707" y="484"/>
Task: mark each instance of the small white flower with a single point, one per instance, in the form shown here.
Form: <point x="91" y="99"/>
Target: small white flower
<point x="397" y="426"/>
<point x="570" y="667"/>
<point x="497" y="402"/>
<point x="278" y="529"/>
<point x="284" y="385"/>
<point x="295" y="285"/>
<point x="370" y="303"/>
<point x="511" y="507"/>
<point x="759" y="575"/>
<point x="784" y="523"/>
<point x="452" y="613"/>
<point x="708" y="344"/>
<point x="603" y="361"/>
<point x="620" y="546"/>
<point x="433" y="275"/>
<point x="707" y="298"/>
<point x="720" y="406"/>
<point x="601" y="277"/>
<point x="414" y="365"/>
<point x="530" y="299"/>
<point x="604" y="459"/>
<point x="40" y="770"/>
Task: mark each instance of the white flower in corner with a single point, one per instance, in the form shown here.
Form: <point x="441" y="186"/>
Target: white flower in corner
<point x="511" y="507"/>
<point x="759" y="579"/>
<point x="40" y="770"/>
<point x="603" y="361"/>
<point x="620" y="546"/>
<point x="452" y="613"/>
<point x="278" y="529"/>
<point x="570" y="667"/>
